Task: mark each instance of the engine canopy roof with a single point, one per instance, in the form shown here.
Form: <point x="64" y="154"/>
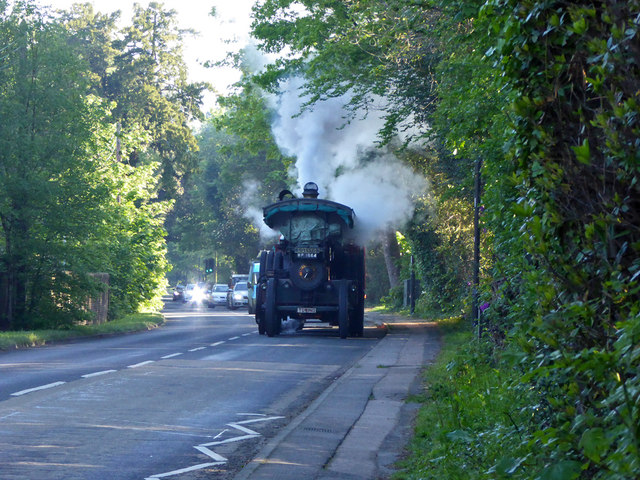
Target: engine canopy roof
<point x="279" y="213"/>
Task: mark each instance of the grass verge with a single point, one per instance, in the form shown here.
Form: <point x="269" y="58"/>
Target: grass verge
<point x="130" y="323"/>
<point x="472" y="415"/>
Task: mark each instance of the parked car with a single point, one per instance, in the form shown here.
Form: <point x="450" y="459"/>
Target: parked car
<point x="217" y="295"/>
<point x="238" y="296"/>
<point x="178" y="293"/>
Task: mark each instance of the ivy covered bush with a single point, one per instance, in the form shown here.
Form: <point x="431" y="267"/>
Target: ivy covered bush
<point x="568" y="228"/>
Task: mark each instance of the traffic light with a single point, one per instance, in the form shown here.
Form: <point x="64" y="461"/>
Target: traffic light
<point x="209" y="265"/>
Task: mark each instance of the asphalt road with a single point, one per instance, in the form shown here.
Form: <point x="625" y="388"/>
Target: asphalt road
<point x="200" y="396"/>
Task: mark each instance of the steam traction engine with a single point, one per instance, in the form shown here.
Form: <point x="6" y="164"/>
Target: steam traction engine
<point x="314" y="272"/>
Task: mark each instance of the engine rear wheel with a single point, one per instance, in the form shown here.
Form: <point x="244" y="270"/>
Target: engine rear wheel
<point x="343" y="312"/>
<point x="271" y="317"/>
<point x="356" y="322"/>
<point x="263" y="265"/>
<point x="261" y="328"/>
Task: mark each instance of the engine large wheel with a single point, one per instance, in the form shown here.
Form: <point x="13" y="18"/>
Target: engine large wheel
<point x="271" y="317"/>
<point x="356" y="321"/>
<point x="260" y="314"/>
<point x="260" y="320"/>
<point x="263" y="265"/>
<point x="269" y="262"/>
<point x="343" y="311"/>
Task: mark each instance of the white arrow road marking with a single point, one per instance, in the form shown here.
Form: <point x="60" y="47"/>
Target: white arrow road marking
<point x="219" y="459"/>
<point x="183" y="470"/>
<point x="209" y="453"/>
<point x="264" y="419"/>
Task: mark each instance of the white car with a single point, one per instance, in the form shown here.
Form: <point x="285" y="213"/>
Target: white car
<point x="194" y="293"/>
<point x="218" y="295"/>
<point x="238" y="297"/>
<point x="187" y="294"/>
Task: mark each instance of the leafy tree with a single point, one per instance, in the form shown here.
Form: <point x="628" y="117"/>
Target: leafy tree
<point x="563" y="285"/>
<point x="240" y="169"/>
<point x="91" y="35"/>
<point x="141" y="69"/>
<point x="367" y="48"/>
<point x="151" y="89"/>
<point x="41" y="224"/>
<point x="68" y="209"/>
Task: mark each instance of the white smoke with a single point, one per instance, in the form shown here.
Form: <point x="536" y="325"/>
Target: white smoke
<point x="249" y="201"/>
<point x="342" y="158"/>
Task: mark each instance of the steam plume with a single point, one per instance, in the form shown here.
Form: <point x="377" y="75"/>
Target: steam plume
<point x="344" y="161"/>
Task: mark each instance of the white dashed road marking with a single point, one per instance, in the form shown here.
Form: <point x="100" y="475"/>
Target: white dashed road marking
<point x="97" y="374"/>
<point x="171" y="355"/>
<point x="136" y="365"/>
<point x="35" y="389"/>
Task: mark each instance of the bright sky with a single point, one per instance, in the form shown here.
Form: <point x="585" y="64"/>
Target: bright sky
<point x="230" y="24"/>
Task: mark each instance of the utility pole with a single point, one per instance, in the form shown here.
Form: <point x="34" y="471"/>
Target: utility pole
<point x="412" y="287"/>
<point x="475" y="311"/>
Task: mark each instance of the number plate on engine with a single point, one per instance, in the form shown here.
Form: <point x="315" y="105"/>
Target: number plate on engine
<point x="306" y="310"/>
<point x="306" y="252"/>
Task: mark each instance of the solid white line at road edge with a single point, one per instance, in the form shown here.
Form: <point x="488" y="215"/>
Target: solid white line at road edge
<point x="42" y="387"/>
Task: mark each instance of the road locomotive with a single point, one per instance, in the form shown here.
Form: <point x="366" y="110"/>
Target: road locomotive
<point x="316" y="271"/>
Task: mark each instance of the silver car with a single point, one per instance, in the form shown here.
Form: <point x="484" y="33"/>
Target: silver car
<point x="238" y="296"/>
<point x="217" y="295"/>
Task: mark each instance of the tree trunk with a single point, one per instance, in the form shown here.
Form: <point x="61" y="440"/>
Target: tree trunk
<point x="391" y="251"/>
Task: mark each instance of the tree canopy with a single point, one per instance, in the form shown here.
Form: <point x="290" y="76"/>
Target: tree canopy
<point x="84" y="164"/>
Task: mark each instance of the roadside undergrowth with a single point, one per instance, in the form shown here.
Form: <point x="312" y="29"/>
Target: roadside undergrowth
<point x="33" y="338"/>
<point x="471" y="423"/>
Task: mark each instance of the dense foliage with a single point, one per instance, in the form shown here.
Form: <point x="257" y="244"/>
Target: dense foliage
<point x="83" y="164"/>
<point x="240" y="171"/>
<point x="574" y="157"/>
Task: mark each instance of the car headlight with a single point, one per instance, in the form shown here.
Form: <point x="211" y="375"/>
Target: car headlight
<point x="197" y="294"/>
<point x="237" y="296"/>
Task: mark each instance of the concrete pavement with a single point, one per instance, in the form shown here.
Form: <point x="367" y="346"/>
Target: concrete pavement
<point x="359" y="426"/>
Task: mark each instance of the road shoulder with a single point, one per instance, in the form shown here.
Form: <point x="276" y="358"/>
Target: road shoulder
<point x="358" y="427"/>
